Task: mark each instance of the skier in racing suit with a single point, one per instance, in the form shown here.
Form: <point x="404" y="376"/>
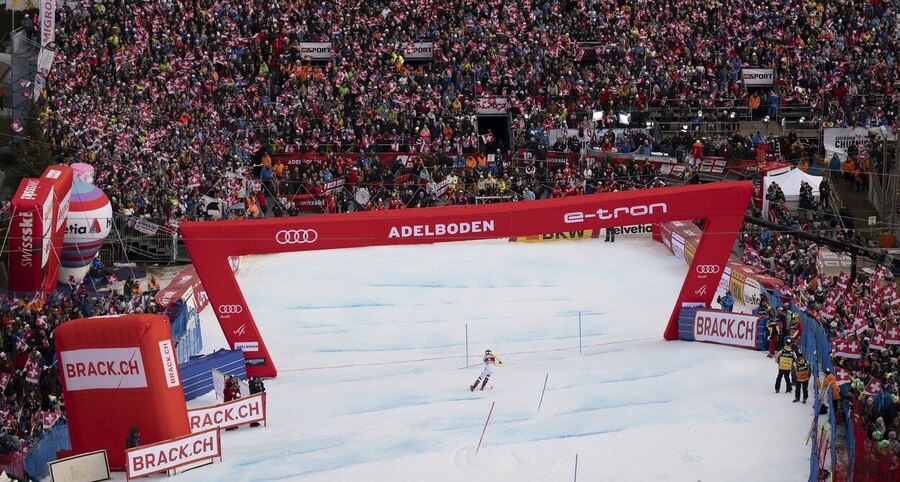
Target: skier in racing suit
<point x="491" y="362"/>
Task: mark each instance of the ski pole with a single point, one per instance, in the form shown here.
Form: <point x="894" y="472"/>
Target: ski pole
<point x="542" y="392"/>
<point x="576" y="467"/>
<point x="485" y="427"/>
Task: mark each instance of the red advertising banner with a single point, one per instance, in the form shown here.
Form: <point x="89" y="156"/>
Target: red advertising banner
<point x="309" y="203"/>
<point x="30" y="235"/>
<point x="61" y="177"/>
<point x="297" y="159"/>
<point x="557" y="158"/>
<point x="720" y="205"/>
<point x="186" y="286"/>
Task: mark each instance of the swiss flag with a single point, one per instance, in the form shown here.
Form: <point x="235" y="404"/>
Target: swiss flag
<point x="17" y="126"/>
<point x="843" y="280"/>
<point x="4" y="379"/>
<point x="878" y="340"/>
<point x="33" y="370"/>
<point x="842" y="375"/>
<point x="892" y="335"/>
<point x="873" y="388"/>
<point x="859" y="325"/>
<point x="847" y="348"/>
<point x="49" y="418"/>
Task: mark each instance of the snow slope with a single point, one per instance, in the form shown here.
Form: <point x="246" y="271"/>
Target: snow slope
<point x="370" y="345"/>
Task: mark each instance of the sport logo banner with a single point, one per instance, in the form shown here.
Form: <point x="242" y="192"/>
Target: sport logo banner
<point x="758" y="77"/>
<point x="99" y="368"/>
<point x="315" y="50"/>
<point x="419" y="51"/>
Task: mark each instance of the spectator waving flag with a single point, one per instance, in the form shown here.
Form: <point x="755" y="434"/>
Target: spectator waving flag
<point x="17" y="126"/>
<point x="4" y="380"/>
<point x="892" y="335"/>
<point x="33" y="370"/>
<point x="841" y="375"/>
<point x="487" y="138"/>
<point x="859" y="325"/>
<point x="49" y="418"/>
<point x="847" y="348"/>
<point x="874" y="387"/>
<point x="878" y="340"/>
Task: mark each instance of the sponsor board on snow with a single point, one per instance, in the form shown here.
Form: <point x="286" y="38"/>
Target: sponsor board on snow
<point x="226" y="415"/>
<point x="726" y="328"/>
<point x="173" y="453"/>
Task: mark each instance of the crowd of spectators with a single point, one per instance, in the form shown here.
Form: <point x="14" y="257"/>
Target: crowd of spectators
<point x="164" y="98"/>
<point x="864" y="310"/>
<point x="29" y="381"/>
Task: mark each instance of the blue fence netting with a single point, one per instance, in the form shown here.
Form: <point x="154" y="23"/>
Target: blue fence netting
<point x="196" y="375"/>
<point x="185" y="330"/>
<point x="44" y="451"/>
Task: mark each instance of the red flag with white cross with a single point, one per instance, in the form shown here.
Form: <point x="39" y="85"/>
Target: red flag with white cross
<point x="874" y="387"/>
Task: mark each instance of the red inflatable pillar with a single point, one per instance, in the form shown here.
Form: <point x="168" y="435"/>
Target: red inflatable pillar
<point x="118" y="372"/>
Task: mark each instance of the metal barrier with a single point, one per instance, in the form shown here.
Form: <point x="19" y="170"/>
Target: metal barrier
<point x="146" y="239"/>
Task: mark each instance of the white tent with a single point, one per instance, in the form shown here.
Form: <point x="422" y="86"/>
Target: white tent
<point x="789" y="182"/>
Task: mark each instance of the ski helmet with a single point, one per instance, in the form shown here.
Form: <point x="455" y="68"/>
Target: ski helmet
<point x="487" y="352"/>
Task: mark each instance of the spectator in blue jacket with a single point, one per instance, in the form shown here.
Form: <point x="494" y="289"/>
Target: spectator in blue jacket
<point x="726" y="301"/>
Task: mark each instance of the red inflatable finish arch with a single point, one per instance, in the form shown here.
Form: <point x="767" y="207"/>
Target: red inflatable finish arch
<point x="211" y="244"/>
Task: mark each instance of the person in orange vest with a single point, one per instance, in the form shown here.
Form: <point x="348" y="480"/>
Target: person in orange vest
<point x="251" y="206"/>
<point x="830" y="382"/>
<point x="801" y="377"/>
<point x="153" y="284"/>
<point x="754" y="102"/>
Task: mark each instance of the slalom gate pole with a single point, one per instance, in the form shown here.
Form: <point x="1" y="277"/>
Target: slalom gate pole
<point x="576" y="467"/>
<point x="467" y="344"/>
<point x="485" y="428"/>
<point x="579" y="333"/>
<point x="542" y="392"/>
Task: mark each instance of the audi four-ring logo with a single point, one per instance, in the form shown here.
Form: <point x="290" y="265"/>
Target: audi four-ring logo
<point x="708" y="269"/>
<point x="296" y="236"/>
<point x="230" y="309"/>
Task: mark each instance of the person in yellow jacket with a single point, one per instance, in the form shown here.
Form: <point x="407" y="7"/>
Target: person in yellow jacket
<point x="785" y="359"/>
<point x="801" y="377"/>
